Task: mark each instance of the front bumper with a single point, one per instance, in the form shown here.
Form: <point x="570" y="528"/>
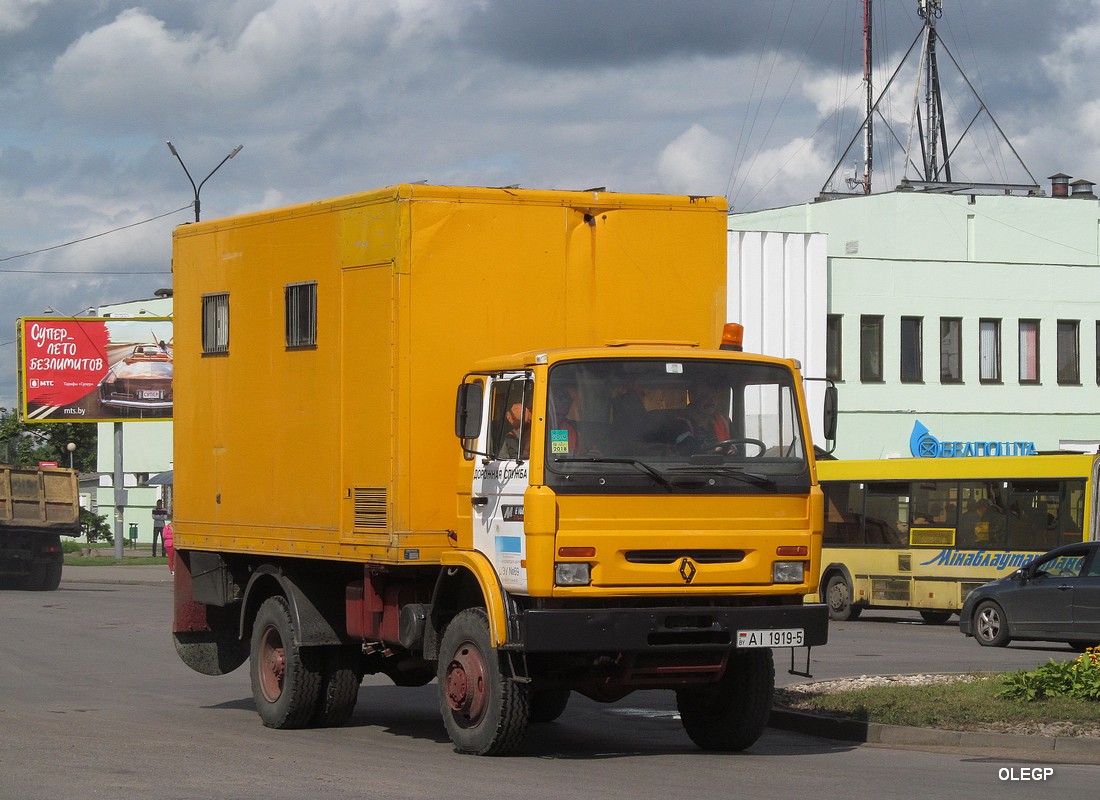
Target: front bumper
<point x="659" y="629"/>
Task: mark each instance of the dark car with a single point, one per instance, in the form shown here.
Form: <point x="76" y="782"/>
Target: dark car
<point x="141" y="380"/>
<point x="1056" y="597"/>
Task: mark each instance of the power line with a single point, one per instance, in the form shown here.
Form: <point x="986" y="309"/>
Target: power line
<point x="86" y="239"/>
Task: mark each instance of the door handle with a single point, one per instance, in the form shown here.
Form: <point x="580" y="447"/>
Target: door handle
<point x="479" y="501"/>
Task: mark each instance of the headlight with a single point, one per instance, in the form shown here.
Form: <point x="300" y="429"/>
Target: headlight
<point x="788" y="571"/>
<point x="572" y="574"/>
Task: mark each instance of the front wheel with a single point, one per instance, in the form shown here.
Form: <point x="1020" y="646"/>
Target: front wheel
<point x="732" y="714"/>
<point x="286" y="678"/>
<point x="548" y="704"/>
<point x="838" y="596"/>
<point x="990" y="625"/>
<point x="485" y="712"/>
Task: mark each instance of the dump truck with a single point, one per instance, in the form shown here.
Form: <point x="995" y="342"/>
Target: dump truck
<point x="489" y="437"/>
<point x="38" y="505"/>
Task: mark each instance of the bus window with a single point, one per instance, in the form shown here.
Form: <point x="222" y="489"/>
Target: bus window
<point x="1034" y="510"/>
<point x="934" y="504"/>
<point x="843" y="514"/>
<point x="886" y="521"/>
<point x="982" y="518"/>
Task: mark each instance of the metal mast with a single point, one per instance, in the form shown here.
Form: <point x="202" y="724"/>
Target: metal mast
<point x="933" y="136"/>
<point x="868" y="127"/>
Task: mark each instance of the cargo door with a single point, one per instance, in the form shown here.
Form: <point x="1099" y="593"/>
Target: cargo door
<point x="502" y="476"/>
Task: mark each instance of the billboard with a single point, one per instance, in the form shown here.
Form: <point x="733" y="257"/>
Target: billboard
<point x="95" y="369"/>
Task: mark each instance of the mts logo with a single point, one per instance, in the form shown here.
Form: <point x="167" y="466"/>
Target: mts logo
<point x="35" y="383"/>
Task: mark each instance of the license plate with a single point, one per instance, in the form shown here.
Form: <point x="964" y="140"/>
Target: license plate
<point x="778" y="637"/>
<point x="150" y="394"/>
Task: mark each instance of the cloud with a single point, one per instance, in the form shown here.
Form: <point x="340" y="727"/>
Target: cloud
<point x="16" y="15"/>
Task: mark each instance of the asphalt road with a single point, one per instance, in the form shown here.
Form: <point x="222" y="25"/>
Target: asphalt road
<point x="94" y="703"/>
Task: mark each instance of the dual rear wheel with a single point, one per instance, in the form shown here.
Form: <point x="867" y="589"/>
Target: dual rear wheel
<point x="298" y="687"/>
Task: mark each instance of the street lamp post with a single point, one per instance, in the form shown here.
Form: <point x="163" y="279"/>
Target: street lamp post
<point x="198" y="188"/>
<point x="71" y="447"/>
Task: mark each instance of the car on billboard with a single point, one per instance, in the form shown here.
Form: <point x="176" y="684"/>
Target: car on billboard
<point x="1055" y="597"/>
<point x="140" y="380"/>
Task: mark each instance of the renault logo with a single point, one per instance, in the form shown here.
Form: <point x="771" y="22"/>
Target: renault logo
<point x="687" y="570"/>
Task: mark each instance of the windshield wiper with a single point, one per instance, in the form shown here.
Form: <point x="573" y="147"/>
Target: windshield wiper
<point x="755" y="478"/>
<point x="644" y="467"/>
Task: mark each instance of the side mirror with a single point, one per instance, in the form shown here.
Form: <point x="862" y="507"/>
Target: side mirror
<point x="830" y="410"/>
<point x="468" y="408"/>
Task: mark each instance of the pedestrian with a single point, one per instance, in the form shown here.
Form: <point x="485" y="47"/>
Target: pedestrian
<point x="160" y="516"/>
<point x="169" y="548"/>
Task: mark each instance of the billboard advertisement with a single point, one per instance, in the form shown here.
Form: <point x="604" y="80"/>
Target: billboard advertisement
<point x="95" y="369"/>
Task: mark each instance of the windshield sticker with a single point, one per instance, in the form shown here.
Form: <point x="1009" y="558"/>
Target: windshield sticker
<point x="674" y="369"/>
<point x="559" y="440"/>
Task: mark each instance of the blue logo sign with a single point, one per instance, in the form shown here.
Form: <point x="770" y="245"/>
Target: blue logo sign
<point x="922" y="444"/>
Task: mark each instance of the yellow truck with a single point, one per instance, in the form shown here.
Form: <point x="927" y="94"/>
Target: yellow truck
<point x="489" y="437"/>
<point x="38" y="505"/>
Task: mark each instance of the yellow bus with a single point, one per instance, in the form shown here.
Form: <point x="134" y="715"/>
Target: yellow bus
<point x="921" y="533"/>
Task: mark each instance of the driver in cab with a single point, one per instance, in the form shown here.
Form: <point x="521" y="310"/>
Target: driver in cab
<point x="706" y="421"/>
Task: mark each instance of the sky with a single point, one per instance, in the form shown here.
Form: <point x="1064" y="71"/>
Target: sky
<point x="757" y="101"/>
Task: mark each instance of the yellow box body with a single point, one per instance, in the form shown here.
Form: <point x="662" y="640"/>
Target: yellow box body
<point x="346" y="450"/>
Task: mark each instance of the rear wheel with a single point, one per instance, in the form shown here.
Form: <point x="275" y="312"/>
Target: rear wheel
<point x="935" y="617"/>
<point x="339" y="689"/>
<point x="484" y="712"/>
<point x="990" y="625"/>
<point x="286" y="678"/>
<point x="732" y="714"/>
<point x="43" y="576"/>
<point x="838" y="596"/>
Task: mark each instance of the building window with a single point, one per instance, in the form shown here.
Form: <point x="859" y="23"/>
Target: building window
<point x="870" y="349"/>
<point x="833" y="344"/>
<point x="301" y="314"/>
<point x="1029" y="351"/>
<point x="989" y="350"/>
<point x="912" y="360"/>
<point x="215" y="323"/>
<point x="1068" y="352"/>
<point x="1098" y="353"/>
<point x="950" y="350"/>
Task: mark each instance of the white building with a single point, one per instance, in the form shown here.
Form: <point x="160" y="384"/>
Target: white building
<point x="961" y="324"/>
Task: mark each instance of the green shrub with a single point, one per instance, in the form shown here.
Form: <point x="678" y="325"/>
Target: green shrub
<point x="1079" y="678"/>
<point x="95" y="527"/>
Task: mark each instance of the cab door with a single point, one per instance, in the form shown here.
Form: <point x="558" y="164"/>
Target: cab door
<point x="501" y="477"/>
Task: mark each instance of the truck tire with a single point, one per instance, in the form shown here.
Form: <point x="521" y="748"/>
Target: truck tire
<point x="838" y="596"/>
<point x="485" y="712"/>
<point x="43" y="576"/>
<point x="340" y="678"/>
<point x="732" y="714"/>
<point x="286" y="678"/>
<point x="548" y="704"/>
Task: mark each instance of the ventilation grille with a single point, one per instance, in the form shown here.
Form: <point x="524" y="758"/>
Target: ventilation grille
<point x="890" y="590"/>
<point x="370" y="508"/>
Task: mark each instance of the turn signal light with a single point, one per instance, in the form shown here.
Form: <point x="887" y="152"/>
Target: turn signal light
<point x="576" y="552"/>
<point x="792" y="550"/>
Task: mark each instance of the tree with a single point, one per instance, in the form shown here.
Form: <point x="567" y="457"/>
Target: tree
<point x="24" y="445"/>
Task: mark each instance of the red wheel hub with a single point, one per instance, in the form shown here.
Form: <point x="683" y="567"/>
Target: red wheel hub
<point x="467" y="691"/>
<point x="272" y="665"/>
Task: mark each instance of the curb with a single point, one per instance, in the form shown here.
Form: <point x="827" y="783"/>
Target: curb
<point x="854" y="730"/>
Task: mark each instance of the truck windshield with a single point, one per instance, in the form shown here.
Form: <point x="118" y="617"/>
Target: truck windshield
<point x="685" y="426"/>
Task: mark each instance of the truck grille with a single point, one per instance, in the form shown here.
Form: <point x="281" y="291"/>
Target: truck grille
<point x="672" y="556"/>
